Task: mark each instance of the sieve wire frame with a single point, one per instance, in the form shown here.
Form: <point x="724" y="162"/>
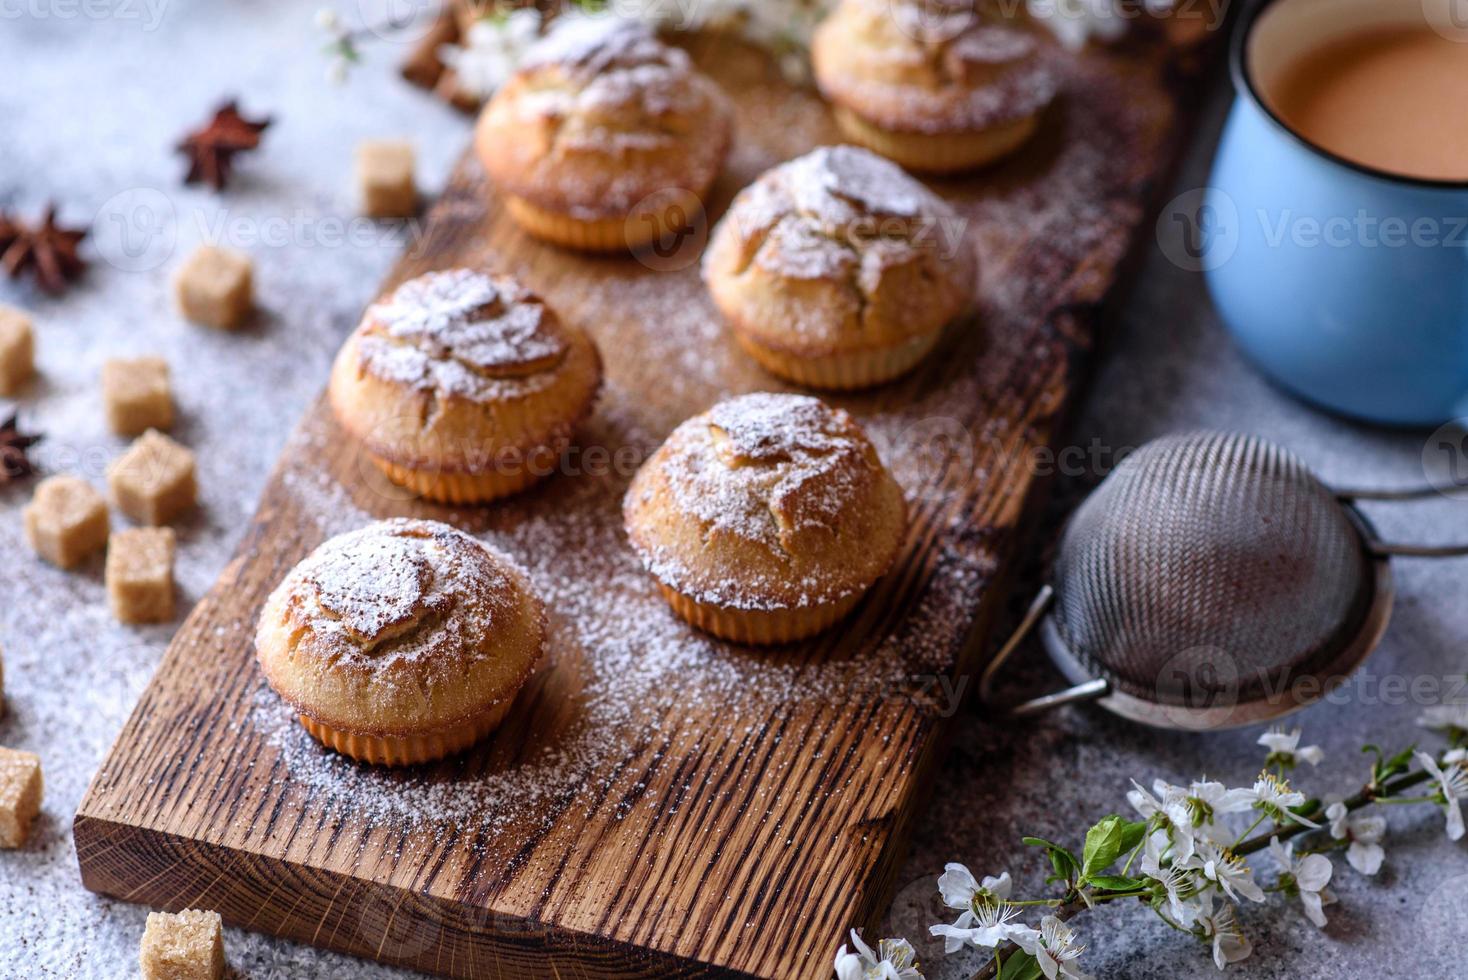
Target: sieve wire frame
<point x="1240" y="714"/>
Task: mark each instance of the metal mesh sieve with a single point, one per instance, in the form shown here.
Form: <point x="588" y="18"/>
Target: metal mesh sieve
<point x="1208" y="566"/>
<point x="1211" y="580"/>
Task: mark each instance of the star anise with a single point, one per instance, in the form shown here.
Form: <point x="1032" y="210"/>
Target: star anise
<point x="211" y="149"/>
<point x="47" y="248"/>
<point x="14" y="463"/>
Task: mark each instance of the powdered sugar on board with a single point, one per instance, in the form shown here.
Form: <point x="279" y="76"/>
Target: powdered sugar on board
<point x="619" y="662"/>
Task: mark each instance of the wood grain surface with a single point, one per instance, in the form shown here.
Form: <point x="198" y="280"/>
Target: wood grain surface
<point x="658" y="804"/>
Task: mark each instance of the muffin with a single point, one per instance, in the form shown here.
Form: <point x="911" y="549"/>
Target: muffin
<point x="402" y="642"/>
<point x="605" y="138"/>
<point x="937" y="87"/>
<point x="766" y="518"/>
<point x="464" y="387"/>
<point x="838" y="270"/>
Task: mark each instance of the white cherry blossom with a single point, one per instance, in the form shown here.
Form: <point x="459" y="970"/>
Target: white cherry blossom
<point x="1055" y="950"/>
<point x="985" y="919"/>
<point x="1229" y="871"/>
<point x="1284" y="747"/>
<point x="1176" y="882"/>
<point x="1221" y="928"/>
<point x="1305" y="878"/>
<point x="1364" y="831"/>
<point x="1275" y="797"/>
<point x="1447" y="718"/>
<point x="1452" y="784"/>
<point x="893" y="959"/>
<point x="492" y="50"/>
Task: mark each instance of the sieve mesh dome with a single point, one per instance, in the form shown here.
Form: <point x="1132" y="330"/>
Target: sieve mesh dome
<point x="1209" y="566"/>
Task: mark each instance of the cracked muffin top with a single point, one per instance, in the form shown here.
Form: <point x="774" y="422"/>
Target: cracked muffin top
<point x="599" y="116"/>
<point x="402" y="626"/>
<point x="463" y="334"/>
<point x="839" y="250"/>
<point x="931" y="66"/>
<point x="456" y="367"/>
<point x="765" y="502"/>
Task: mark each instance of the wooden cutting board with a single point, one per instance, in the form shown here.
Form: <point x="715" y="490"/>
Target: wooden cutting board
<point x="658" y="803"/>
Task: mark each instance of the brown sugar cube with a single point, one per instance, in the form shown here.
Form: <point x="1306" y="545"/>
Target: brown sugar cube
<point x="214" y="289"/>
<point x="153" y="481"/>
<point x="20" y="796"/>
<point x="185" y="946"/>
<point x="385" y="179"/>
<point x="66" y="520"/>
<point x="137" y="395"/>
<point x="17" y="350"/>
<point x="140" y="575"/>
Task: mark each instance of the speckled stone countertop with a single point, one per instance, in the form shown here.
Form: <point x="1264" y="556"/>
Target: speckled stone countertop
<point x="96" y="95"/>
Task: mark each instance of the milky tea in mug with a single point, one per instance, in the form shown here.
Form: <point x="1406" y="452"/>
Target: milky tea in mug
<point x="1338" y="204"/>
<point x="1390" y="98"/>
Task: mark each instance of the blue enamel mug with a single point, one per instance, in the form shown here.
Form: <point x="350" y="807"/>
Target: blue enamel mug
<point x="1346" y="284"/>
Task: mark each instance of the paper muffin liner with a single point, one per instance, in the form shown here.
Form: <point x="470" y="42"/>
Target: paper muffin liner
<point x="840" y="372"/>
<point x="462" y="488"/>
<point x="408" y="750"/>
<point x="759" y="626"/>
<point x="939" y="153"/>
<point x="669" y="212"/>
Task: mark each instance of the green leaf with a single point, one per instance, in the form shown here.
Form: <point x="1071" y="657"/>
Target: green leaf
<point x="1040" y="842"/>
<point x="1402" y="761"/>
<point x="1117" y="883"/>
<point x="1061" y="860"/>
<point x="1107" y="841"/>
<point x="1020" y="966"/>
<point x="1132" y="833"/>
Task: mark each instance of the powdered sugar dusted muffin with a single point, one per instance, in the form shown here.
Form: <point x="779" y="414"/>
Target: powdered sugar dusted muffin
<point x="937" y="85"/>
<point x="838" y="270"/>
<point x="464" y="387"/>
<point x="605" y="138"/>
<point x="766" y="518"/>
<point x="401" y="642"/>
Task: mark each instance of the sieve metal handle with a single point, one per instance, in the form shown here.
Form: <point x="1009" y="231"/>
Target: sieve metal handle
<point x="1387" y="549"/>
<point x="1089" y="691"/>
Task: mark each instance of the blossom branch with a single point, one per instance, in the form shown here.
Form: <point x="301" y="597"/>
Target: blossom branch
<point x="1183" y="861"/>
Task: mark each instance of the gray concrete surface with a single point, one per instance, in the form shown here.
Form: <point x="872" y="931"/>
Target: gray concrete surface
<point x="92" y="100"/>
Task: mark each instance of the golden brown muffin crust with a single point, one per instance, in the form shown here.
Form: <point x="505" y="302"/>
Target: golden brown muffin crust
<point x="601" y="115"/>
<point x="920" y="67"/>
<point x="458" y="370"/>
<point x="839" y="250"/>
<point x="765" y="502"/>
<point x="402" y="627"/>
